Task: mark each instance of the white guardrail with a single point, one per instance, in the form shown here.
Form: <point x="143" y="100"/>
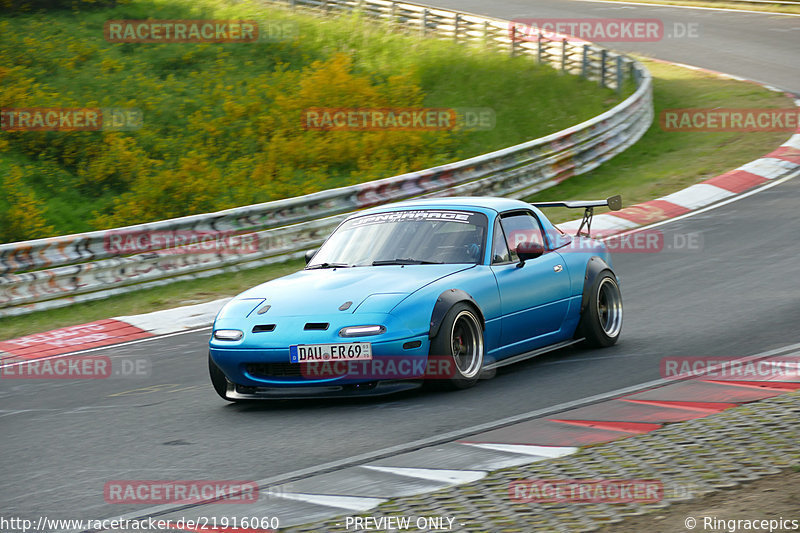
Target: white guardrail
<point x="54" y="272"/>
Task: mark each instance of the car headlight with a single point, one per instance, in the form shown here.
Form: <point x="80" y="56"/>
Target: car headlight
<point x="228" y="334"/>
<point x="361" y="331"/>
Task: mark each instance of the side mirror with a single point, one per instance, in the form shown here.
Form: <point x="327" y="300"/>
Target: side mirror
<point x="310" y="254"/>
<point x="528" y="250"/>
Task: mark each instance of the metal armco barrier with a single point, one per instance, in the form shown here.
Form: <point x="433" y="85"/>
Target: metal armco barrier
<point x="58" y="271"/>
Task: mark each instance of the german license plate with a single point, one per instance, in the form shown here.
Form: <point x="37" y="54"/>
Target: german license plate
<point x="346" y="351"/>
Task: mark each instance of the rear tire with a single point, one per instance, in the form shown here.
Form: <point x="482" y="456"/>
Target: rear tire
<point x="460" y="342"/>
<point x="601" y="321"/>
<point x="218" y="380"/>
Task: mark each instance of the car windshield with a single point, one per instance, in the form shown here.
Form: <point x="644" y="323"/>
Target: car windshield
<point x="418" y="237"/>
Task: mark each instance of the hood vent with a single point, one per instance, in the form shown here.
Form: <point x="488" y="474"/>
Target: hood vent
<point x="316" y="326"/>
<point x="263" y="327"/>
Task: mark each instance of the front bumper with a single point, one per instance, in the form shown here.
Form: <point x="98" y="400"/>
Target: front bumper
<point x="262" y="372"/>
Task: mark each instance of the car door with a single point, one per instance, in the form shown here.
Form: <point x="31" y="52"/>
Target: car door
<point x="534" y="297"/>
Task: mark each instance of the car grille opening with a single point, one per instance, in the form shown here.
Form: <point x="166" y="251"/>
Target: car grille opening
<point x="274" y="370"/>
<point x="316" y="326"/>
<point x="263" y="327"/>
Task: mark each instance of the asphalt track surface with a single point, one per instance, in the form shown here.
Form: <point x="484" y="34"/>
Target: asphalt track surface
<point x="736" y="295"/>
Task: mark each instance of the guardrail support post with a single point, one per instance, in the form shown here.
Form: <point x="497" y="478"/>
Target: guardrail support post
<point x="603" y="57"/>
<point x="585" y="62"/>
<point x="513" y="40"/>
<point x="455" y="27"/>
<point x="563" y="55"/>
<point x="539" y="48"/>
<point x="424" y="28"/>
<point x="620" y="75"/>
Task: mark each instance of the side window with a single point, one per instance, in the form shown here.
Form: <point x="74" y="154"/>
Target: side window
<point x="499" y="247"/>
<point x="522" y="227"/>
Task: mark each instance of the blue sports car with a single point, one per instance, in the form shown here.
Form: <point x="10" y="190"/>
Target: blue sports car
<point x="433" y="291"/>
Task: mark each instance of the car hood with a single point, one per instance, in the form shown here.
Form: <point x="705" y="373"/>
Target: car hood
<point x="324" y="291"/>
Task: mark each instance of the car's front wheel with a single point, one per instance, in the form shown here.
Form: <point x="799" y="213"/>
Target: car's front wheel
<point x="601" y="322"/>
<point x="458" y="344"/>
<point x="218" y="380"/>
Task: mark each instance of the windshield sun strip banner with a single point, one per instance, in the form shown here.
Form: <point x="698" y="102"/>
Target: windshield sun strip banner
<point x="463" y="217"/>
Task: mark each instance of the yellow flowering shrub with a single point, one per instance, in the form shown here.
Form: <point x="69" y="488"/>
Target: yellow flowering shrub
<point x="24" y="217"/>
<point x="252" y="146"/>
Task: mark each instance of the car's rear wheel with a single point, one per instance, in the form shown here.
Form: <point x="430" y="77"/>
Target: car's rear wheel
<point x="601" y="322"/>
<point x="218" y="380"/>
<point x="459" y="344"/>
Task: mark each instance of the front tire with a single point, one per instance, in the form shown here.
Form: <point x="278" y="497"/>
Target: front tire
<point x="218" y="380"/>
<point x="601" y="322"/>
<point x="460" y="342"/>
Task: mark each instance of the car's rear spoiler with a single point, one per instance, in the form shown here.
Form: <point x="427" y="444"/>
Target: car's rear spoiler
<point x="612" y="202"/>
